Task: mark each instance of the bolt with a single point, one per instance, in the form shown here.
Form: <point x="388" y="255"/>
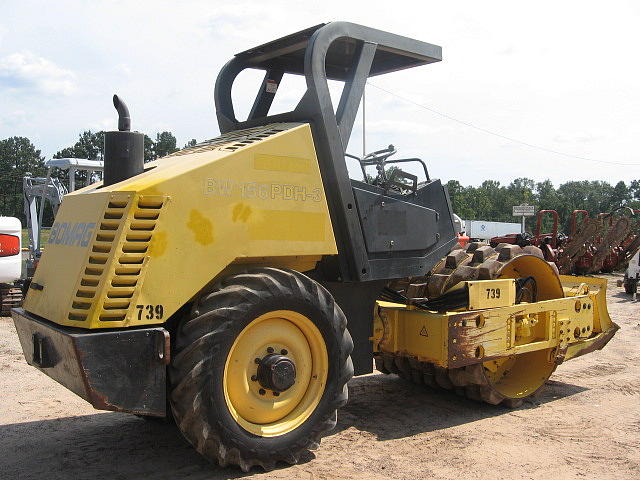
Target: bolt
<point x="270" y="350"/>
<point x="257" y="360"/>
<point x="284" y="351"/>
<point x="391" y="243"/>
<point x="262" y="391"/>
<point x="275" y="394"/>
<point x="254" y="378"/>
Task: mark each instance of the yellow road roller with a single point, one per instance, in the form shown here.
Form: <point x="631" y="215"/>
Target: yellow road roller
<point x="238" y="284"/>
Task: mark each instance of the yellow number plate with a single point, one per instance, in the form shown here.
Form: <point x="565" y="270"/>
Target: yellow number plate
<point x="491" y="293"/>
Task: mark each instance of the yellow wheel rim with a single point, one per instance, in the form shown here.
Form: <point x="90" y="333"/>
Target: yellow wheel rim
<point x="257" y="409"/>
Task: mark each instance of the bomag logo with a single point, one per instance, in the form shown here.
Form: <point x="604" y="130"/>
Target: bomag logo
<point x="75" y="234"/>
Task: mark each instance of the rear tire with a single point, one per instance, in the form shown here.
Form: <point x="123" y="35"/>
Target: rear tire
<point x="221" y="406"/>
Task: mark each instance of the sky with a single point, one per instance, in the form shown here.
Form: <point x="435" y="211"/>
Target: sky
<point x="556" y="76"/>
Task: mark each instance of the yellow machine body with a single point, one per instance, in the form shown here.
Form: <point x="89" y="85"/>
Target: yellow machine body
<point x="495" y="328"/>
<point x="134" y="252"/>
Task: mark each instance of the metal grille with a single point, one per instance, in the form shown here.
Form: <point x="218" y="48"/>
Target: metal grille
<point x="110" y="280"/>
<point x="232" y="141"/>
<point x="94" y="269"/>
<point x="130" y="260"/>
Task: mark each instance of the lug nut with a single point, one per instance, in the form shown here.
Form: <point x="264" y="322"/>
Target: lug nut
<point x="254" y="378"/>
<point x="262" y="391"/>
<point x="283" y="351"/>
<point x="257" y="360"/>
<point x="270" y="350"/>
<point x="275" y="394"/>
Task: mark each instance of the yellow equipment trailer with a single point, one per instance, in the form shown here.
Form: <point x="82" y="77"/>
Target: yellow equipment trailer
<point x="243" y="281"/>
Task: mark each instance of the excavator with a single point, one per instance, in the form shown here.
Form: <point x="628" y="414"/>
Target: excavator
<point x="237" y="285"/>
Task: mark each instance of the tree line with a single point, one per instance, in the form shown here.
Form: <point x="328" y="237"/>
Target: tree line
<point x="490" y="201"/>
<point x="19" y="157"/>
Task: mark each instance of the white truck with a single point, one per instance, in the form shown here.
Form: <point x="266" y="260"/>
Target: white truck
<point x="483" y="230"/>
<point x="10" y="263"/>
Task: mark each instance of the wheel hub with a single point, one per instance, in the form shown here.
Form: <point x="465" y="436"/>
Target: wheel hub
<point x="276" y="372"/>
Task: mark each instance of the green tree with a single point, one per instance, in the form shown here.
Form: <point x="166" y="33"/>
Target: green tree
<point x="149" y="149"/>
<point x="18" y="157"/>
<point x="191" y="143"/>
<point x="634" y="194"/>
<point x="463" y="200"/>
<point x="621" y="195"/>
<point x="165" y="144"/>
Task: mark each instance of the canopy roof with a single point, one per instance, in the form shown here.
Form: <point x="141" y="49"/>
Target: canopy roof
<point x="394" y="52"/>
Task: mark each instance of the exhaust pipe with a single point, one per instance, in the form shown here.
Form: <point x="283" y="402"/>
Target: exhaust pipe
<point x="123" y="149"/>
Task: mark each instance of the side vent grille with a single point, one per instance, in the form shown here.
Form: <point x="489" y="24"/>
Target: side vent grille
<point x="232" y="141"/>
<point x="256" y="137"/>
<point x="129" y="261"/>
<point x="94" y="270"/>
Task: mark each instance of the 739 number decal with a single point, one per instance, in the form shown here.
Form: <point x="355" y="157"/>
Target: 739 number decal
<point x="493" y="293"/>
<point x="150" y="312"/>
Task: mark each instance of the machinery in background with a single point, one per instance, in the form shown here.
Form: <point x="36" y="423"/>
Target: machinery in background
<point x="10" y="264"/>
<point x="42" y="191"/>
<point x="629" y="231"/>
<point x="594" y="244"/>
<point x="39" y="192"/>
<point x="244" y="280"/>
<point x="631" y="275"/>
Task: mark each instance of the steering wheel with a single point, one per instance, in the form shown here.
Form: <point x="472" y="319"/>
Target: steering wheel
<point x="379" y="156"/>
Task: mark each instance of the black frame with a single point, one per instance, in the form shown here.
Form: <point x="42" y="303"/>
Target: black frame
<point x="351" y="53"/>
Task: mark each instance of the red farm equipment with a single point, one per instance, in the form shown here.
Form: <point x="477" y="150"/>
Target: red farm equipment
<point x="595" y="244"/>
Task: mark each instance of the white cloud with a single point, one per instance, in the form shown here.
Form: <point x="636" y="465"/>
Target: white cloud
<point x="25" y="70"/>
<point x="103" y="124"/>
<point x="13" y="118"/>
<point x="123" y="69"/>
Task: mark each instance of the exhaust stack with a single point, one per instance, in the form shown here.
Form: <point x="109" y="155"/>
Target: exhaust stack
<point x="123" y="149"/>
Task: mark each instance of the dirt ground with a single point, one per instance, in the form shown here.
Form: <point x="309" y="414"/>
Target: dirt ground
<point x="585" y="425"/>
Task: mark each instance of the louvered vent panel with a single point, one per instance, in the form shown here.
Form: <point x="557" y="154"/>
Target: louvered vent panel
<point x="130" y="259"/>
<point x="83" y="302"/>
<point x="232" y="141"/>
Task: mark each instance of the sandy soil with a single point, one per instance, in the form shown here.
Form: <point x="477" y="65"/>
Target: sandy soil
<point x="585" y="425"/>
